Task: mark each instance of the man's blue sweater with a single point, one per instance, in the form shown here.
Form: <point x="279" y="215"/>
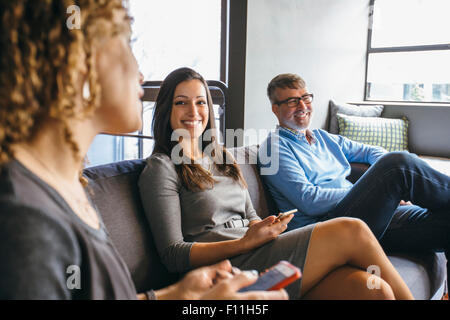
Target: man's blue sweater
<point x="310" y="177"/>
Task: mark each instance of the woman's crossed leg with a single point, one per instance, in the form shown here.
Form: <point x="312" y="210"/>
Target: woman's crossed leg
<point x="340" y="253"/>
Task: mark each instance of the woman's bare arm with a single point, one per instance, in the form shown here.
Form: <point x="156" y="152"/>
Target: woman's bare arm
<point x="259" y="233"/>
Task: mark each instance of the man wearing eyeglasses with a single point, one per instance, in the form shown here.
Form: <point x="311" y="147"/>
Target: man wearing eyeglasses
<point x="312" y="163"/>
<point x="313" y="166"/>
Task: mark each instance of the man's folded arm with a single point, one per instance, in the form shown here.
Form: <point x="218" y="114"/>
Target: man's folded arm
<point x="291" y="182"/>
<point x="359" y="152"/>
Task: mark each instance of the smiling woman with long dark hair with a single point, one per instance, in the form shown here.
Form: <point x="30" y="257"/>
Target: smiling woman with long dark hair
<point x="193" y="174"/>
<point x="200" y="211"/>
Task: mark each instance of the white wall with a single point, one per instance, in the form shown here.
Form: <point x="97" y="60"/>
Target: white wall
<point x="324" y="41"/>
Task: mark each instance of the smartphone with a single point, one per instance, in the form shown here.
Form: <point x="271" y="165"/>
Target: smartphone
<point x="281" y="215"/>
<point x="277" y="277"/>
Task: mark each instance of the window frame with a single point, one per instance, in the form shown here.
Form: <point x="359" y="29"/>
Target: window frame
<point x="218" y="88"/>
<point x="229" y="91"/>
<point x="417" y="48"/>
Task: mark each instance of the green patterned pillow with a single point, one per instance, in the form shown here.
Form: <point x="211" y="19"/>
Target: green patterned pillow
<point x="391" y="134"/>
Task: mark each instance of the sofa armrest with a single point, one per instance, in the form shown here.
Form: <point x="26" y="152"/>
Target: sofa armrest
<point x="358" y="170"/>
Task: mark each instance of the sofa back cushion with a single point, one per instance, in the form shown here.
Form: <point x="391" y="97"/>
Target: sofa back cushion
<point x="262" y="201"/>
<point x="114" y="191"/>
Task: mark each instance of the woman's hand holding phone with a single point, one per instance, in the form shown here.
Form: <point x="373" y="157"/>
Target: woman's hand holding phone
<point x="227" y="288"/>
<point x="217" y="282"/>
<point x="283" y="215"/>
<point x="264" y="231"/>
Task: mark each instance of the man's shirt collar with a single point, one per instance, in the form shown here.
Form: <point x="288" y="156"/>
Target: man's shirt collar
<point x="298" y="134"/>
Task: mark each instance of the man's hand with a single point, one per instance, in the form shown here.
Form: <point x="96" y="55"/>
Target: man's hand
<point x="405" y="203"/>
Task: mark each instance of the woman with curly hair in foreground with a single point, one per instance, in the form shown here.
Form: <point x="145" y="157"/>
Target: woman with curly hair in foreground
<point x="59" y="88"/>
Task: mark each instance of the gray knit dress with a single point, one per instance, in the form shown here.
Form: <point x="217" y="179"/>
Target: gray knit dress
<point x="179" y="217"/>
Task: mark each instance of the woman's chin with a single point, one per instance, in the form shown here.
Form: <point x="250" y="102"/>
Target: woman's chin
<point x="125" y="127"/>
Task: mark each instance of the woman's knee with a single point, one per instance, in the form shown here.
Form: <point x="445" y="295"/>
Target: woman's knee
<point x="382" y="291"/>
<point x="353" y="232"/>
<point x="351" y="226"/>
<point x="370" y="287"/>
<point x="342" y="239"/>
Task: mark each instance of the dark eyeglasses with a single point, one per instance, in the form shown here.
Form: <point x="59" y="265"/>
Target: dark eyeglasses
<point x="294" y="102"/>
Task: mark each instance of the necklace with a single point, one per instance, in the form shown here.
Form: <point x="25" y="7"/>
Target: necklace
<point x="78" y="203"/>
<point x="210" y="169"/>
<point x="210" y="166"/>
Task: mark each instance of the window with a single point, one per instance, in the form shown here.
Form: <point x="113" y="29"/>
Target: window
<point x="408" y="55"/>
<point x="167" y="35"/>
<point x="177" y="33"/>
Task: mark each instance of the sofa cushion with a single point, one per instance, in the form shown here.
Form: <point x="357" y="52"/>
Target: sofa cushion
<point x="351" y="110"/>
<point x="391" y="134"/>
<point x="424" y="273"/>
<point x="438" y="163"/>
<point x="263" y="203"/>
<point x="114" y="191"/>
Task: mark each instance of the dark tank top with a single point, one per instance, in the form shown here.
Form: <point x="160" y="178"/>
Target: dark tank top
<point x="47" y="251"/>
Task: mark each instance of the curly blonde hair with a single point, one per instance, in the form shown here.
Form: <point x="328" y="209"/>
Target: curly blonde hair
<point x="41" y="60"/>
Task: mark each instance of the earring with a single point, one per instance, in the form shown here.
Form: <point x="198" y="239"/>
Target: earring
<point x="86" y="91"/>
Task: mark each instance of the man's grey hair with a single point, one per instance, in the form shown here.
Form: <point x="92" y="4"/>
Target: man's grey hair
<point x="285" y="80"/>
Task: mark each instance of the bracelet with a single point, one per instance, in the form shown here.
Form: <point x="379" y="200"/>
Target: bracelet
<point x="150" y="295"/>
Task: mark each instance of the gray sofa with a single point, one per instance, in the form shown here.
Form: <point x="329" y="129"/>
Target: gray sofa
<point x="115" y="193"/>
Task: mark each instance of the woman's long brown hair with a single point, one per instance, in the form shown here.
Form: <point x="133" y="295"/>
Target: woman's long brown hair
<point x="193" y="176"/>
